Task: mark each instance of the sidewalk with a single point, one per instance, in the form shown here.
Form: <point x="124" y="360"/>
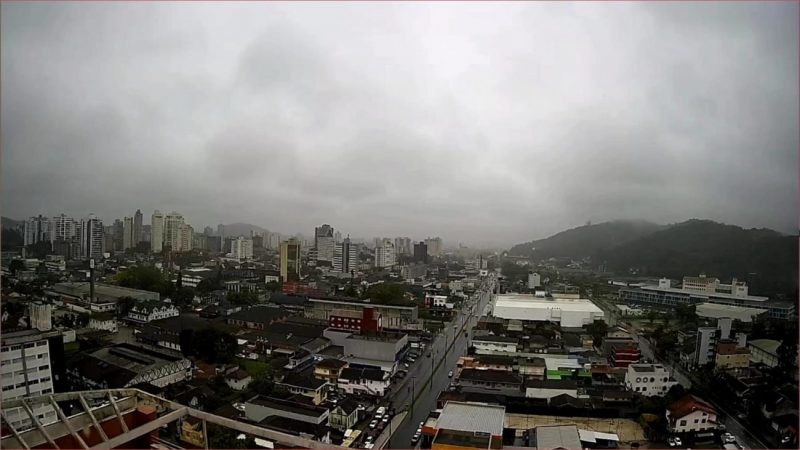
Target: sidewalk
<point x="394" y="425"/>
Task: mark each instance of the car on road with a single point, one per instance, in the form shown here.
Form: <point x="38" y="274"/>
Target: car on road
<point x="386" y="418"/>
<point x="450" y="374"/>
<point x="415" y="438"/>
<point x="406" y="365"/>
<point x="675" y="442"/>
<point x="373" y="424"/>
<point x="728" y="438"/>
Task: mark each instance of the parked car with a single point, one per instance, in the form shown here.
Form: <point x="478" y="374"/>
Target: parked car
<point x="373" y="424"/>
<point x="450" y="374"/>
<point x="674" y="442"/>
<point x="415" y="438"/>
<point x="728" y="438"/>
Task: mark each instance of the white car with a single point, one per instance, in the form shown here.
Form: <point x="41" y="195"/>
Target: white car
<point x="674" y="442"/>
<point x="728" y="438"/>
<point x="450" y="374"/>
<point x="373" y="424"/>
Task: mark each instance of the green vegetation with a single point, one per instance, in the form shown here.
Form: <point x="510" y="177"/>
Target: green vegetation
<point x="254" y="368"/>
<point x="71" y="347"/>
<point x="387" y="293"/>
<point x="221" y="437"/>
<point x="145" y="278"/>
<point x="586" y="240"/>
<point x="242" y="298"/>
<point x="209" y="344"/>
<point x="598" y="330"/>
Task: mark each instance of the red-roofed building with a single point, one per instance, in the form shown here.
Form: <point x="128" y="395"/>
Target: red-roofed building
<point x="691" y="414"/>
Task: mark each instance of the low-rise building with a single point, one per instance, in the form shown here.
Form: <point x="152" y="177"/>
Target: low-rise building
<point x="261" y="407"/>
<point x="238" y="380"/>
<point x="547" y="389"/>
<point x="764" y="351"/>
<point x="377" y="351"/>
<point x="730" y="356"/>
<point x="466" y="425"/>
<point x="148" y="311"/>
<point x="556" y="437"/>
<point x="373" y="382"/>
<point x="124" y="365"/>
<point x="307" y="386"/>
<point x="691" y="414"/>
<point x="650" y="380"/>
<point x="194" y="276"/>
<point x="624" y="354"/>
<point x="104" y="321"/>
<point x="329" y="369"/>
<point x="257" y="317"/>
<point x="488" y="345"/>
<point x="344" y="415"/>
<point x="490" y="380"/>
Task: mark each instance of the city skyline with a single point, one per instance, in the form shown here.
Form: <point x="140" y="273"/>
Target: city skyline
<point x="492" y="132"/>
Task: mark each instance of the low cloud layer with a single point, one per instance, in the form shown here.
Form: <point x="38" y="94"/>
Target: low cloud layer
<point x="483" y="123"/>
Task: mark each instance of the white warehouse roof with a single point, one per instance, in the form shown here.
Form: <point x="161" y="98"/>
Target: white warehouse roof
<point x="568" y="312"/>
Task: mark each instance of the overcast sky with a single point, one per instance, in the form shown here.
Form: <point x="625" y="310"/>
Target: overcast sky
<point x="485" y="123"/>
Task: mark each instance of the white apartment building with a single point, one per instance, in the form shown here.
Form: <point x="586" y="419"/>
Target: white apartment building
<point x="172" y="230"/>
<point x="91" y="238"/>
<point x="385" y="253"/>
<point x="435" y="246"/>
<point x="64" y="228"/>
<point x="489" y="345"/>
<point x="325" y="243"/>
<point x="36" y="229"/>
<point x="41" y="316"/>
<point x="25" y="371"/>
<point x="534" y="280"/>
<point x="242" y="248"/>
<point x="345" y="256"/>
<point x="156" y="231"/>
<point x="650" y="380"/>
<point x="402" y="246"/>
<point x="691" y="414"/>
<point x="186" y="238"/>
<point x="127" y="233"/>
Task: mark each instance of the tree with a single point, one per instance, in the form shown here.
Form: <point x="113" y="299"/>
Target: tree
<point x="185" y="338"/>
<point x="183" y="297"/>
<point x="598" y="330"/>
<point x="214" y="346"/>
<point x="273" y="286"/>
<point x="386" y="293"/>
<point x="145" y="278"/>
<point x="787" y="355"/>
<point x="16" y="265"/>
<point x="242" y="298"/>
<point x="221" y="437"/>
<point x="124" y="305"/>
<point x="262" y="383"/>
<point x="651" y="316"/>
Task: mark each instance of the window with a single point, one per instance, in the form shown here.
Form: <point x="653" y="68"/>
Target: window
<point x="696" y="420"/>
<point x="638" y="379"/>
<point x="44" y="367"/>
<point x="8" y="388"/>
<point x="41" y="343"/>
<point x="652" y="379"/>
<point x="47" y="391"/>
<point x="683" y="423"/>
<point x="29" y="345"/>
<point x="704" y="420"/>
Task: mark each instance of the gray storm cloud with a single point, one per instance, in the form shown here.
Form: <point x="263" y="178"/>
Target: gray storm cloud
<point x="484" y="123"/>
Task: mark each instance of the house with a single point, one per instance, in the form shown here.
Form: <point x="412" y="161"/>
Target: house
<point x="150" y="310"/>
<point x="730" y="356"/>
<point x="298" y="359"/>
<point x="329" y="369"/>
<point x="257" y="317"/>
<point x="624" y="353"/>
<point x="490" y="380"/>
<point x="764" y="351"/>
<point x="691" y="414"/>
<point x="487" y="345"/>
<point x="307" y="386"/>
<point x="650" y="380"/>
<point x="534" y="368"/>
<point x="344" y="415"/>
<point x="238" y="380"/>
<point x="222" y="309"/>
<point x="364" y="381"/>
<point x="556" y="437"/>
<point x="103" y="321"/>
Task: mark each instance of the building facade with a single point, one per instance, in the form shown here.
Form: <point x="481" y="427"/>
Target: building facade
<point x="385" y="254"/>
<point x="156" y="231"/>
<point x="27" y="371"/>
<point x="91" y="238"/>
<point x="290" y="259"/>
<point x="345" y="257"/>
<point x="650" y="380"/>
<point x="242" y="249"/>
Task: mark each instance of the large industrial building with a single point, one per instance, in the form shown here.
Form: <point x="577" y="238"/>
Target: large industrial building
<point x="697" y="290"/>
<point x="567" y="312"/>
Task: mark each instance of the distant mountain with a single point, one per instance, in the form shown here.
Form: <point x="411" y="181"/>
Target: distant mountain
<point x="242" y="229"/>
<point x="586" y="240"/>
<point x="11" y="223"/>
<point x="716" y="249"/>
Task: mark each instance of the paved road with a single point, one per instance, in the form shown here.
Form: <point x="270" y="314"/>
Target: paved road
<point x="428" y="376"/>
<point x="743" y="435"/>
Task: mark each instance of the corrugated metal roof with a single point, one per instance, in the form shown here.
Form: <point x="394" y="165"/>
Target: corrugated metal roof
<point x="467" y="416"/>
<point x="558" y="436"/>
